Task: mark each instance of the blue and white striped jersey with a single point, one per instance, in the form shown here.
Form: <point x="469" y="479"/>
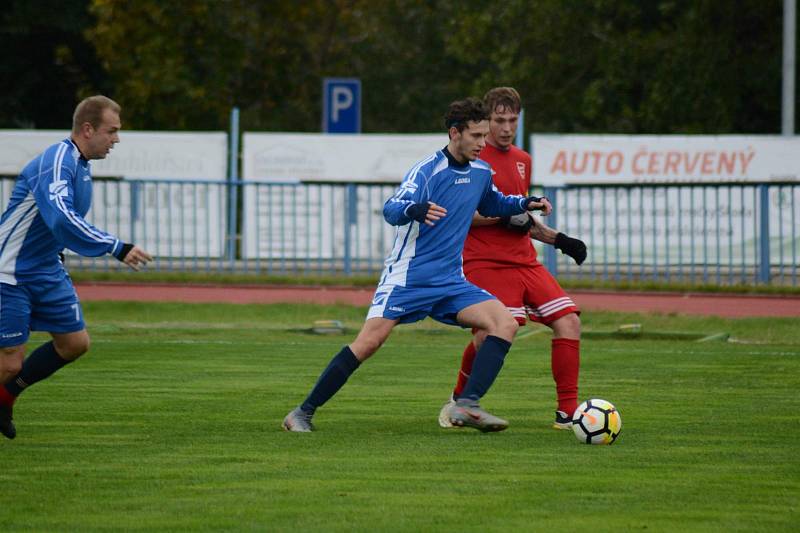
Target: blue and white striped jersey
<point x="431" y="255"/>
<point x="45" y="215"/>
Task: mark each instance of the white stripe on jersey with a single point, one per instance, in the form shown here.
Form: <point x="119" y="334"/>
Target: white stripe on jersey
<point x="12" y="235"/>
<point x="405" y="248"/>
<point x="82" y="225"/>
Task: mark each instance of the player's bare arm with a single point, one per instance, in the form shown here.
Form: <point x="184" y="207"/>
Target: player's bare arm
<point x="480" y="220"/>
<point x="542" y="232"/>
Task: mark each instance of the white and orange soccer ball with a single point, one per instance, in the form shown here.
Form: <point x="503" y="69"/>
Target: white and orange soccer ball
<point x="596" y="421"/>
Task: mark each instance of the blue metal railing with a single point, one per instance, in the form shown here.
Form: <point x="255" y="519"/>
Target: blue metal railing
<point x="736" y="233"/>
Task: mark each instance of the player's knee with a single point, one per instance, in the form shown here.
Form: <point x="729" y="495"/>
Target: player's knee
<point x="73" y="347"/>
<point x="568" y="326"/>
<point x="506" y="326"/>
<point x="10" y="366"/>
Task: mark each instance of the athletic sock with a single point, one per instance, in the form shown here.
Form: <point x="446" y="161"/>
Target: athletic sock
<point x="466" y="369"/>
<point x="331" y="380"/>
<point x="43" y="362"/>
<point x="5" y="397"/>
<point x="487" y="364"/>
<point x="565" y="363"/>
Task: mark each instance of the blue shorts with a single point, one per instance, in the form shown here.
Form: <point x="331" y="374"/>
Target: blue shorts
<point x="411" y="304"/>
<point x="50" y="306"/>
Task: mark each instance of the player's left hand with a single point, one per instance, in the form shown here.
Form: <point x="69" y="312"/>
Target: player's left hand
<point x="575" y="248"/>
<point x="540" y="204"/>
<point x="134" y="257"/>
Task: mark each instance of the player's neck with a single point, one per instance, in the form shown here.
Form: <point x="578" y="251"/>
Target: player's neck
<point x="491" y="142"/>
<point x="79" y="147"/>
<point x="454" y="161"/>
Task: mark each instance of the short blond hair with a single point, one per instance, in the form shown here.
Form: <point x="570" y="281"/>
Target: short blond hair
<point x="503" y="97"/>
<point x="91" y="110"/>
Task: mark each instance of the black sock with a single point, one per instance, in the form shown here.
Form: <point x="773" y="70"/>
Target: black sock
<point x="40" y="364"/>
<point x="487" y="364"/>
<point x="331" y="380"/>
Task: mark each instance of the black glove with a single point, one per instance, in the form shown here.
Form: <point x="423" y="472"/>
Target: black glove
<point x="521" y="223"/>
<point x="575" y="248"/>
<point x="418" y="212"/>
<point x="123" y="252"/>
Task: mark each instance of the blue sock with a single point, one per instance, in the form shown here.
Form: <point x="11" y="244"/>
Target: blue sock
<point x="40" y="364"/>
<point x="331" y="380"/>
<point x="487" y="364"/>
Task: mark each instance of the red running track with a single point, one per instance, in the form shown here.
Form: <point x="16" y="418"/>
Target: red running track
<point x="724" y="305"/>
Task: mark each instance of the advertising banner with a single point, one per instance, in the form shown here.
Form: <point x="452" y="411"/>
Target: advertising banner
<point x="583" y="159"/>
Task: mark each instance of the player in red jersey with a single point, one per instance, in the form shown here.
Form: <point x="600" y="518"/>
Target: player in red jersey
<point x="500" y="258"/>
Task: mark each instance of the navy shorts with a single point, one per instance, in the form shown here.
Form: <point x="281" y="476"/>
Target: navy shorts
<point x="43" y="306"/>
<point x="411" y="304"/>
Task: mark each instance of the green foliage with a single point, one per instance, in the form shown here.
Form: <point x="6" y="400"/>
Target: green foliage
<point x="667" y="66"/>
<point x="171" y="423"/>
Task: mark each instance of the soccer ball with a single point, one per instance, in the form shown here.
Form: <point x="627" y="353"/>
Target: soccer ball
<point x="596" y="422"/>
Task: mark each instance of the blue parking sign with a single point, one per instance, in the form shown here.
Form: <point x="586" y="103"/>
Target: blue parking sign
<point x="341" y="105"/>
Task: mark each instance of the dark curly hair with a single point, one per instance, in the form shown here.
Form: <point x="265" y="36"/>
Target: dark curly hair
<point x="461" y="112"/>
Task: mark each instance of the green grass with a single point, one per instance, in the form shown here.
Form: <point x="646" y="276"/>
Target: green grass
<point x="225" y="278"/>
<point x="171" y="422"/>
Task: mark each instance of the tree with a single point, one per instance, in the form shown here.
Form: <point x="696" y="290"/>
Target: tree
<point x="46" y="64"/>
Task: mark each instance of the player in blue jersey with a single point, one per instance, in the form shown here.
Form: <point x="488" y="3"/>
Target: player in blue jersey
<point x="432" y="210"/>
<point x="45" y="215"/>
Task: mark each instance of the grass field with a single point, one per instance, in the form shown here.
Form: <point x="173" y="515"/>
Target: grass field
<point x="172" y="422"/>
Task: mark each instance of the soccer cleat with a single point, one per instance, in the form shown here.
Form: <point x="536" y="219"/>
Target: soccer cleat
<point x="469" y="413"/>
<point x="563" y="421"/>
<point x="444" y="415"/>
<point x="6" y="422"/>
<point x="298" y="421"/>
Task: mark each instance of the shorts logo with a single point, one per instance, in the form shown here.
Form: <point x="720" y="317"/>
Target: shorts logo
<point x="12" y="335"/>
<point x="398" y="309"/>
<point x="521" y="169"/>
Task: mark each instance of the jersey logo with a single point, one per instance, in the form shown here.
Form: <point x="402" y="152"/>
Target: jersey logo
<point x="58" y="189"/>
<point x="461" y="180"/>
<point x="521" y="169"/>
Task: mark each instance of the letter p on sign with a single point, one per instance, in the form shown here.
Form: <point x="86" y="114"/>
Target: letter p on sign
<point x="341" y="105"/>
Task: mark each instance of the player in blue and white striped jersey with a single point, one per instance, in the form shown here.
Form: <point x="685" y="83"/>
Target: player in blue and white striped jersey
<point x="45" y="215"/>
<point x="433" y="210"/>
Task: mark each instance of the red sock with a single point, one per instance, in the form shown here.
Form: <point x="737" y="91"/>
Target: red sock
<point x="465" y="370"/>
<point x="6" y="398"/>
<point x="565" y="361"/>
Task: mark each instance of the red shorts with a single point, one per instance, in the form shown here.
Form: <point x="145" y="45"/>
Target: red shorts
<point x="528" y="291"/>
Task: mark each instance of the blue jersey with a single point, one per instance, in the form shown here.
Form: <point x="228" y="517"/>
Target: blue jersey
<point x="45" y="215"/>
<point x="431" y="255"/>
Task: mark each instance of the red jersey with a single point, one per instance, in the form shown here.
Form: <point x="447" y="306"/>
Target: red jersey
<point x="496" y="246"/>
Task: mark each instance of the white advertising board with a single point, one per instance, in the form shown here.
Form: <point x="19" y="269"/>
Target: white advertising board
<point x="309" y="158"/>
<point x="586" y="159"/>
<point x="139" y="154"/>
<point x="309" y="221"/>
<point x="294" y="157"/>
